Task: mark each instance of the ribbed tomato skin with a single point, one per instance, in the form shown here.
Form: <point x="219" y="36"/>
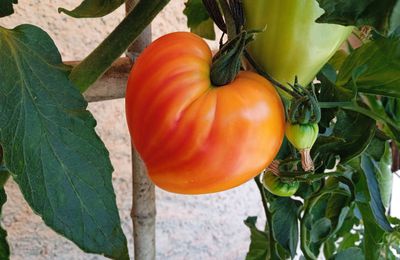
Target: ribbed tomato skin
<point x="195" y="138"/>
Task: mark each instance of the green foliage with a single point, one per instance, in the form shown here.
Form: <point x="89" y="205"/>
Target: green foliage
<point x="6" y="7"/>
<point x="258" y="249"/>
<point x="381" y="157"/>
<point x="285" y="224"/>
<point x="351" y="135"/>
<point x="50" y="145"/>
<point x="353" y="253"/>
<point x="93" y="8"/>
<point x="357" y="12"/>
<point x="373" y="68"/>
<point x="198" y="19"/>
<point x="346" y="198"/>
<point x="371" y="194"/>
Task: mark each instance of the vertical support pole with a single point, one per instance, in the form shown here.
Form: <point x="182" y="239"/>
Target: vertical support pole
<point x="143" y="194"/>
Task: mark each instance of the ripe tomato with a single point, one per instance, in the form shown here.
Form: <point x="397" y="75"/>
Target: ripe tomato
<point x="293" y="44"/>
<point x="193" y="137"/>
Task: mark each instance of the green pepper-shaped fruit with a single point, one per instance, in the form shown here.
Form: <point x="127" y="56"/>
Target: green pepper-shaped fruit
<point x="302" y="137"/>
<point x="276" y="186"/>
<point x="293" y="44"/>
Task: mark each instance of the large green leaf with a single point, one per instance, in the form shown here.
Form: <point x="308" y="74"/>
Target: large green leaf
<point x="377" y="65"/>
<point x="380" y="152"/>
<point x="373" y="232"/>
<point x="93" y="8"/>
<point x="198" y="19"/>
<point x="350" y="136"/>
<point x="357" y="12"/>
<point x="6" y="7"/>
<point x="50" y="145"/>
<point x="258" y="249"/>
<point x="370" y="167"/>
<point x="285" y="224"/>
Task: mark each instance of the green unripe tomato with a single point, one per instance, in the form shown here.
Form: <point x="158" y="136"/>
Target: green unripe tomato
<point x="301" y="136"/>
<point x="273" y="184"/>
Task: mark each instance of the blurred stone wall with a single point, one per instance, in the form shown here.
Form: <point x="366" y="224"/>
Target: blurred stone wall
<point x="188" y="227"/>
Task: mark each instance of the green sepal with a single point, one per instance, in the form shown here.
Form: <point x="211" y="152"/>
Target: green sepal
<point x="227" y="62"/>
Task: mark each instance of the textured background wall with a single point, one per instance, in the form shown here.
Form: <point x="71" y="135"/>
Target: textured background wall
<point x="188" y="227"/>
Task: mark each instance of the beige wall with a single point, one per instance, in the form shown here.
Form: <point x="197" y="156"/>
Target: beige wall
<point x="188" y="227"/>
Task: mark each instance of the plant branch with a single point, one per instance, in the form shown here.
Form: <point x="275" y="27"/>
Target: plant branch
<point x="268" y="216"/>
<point x="94" y="65"/>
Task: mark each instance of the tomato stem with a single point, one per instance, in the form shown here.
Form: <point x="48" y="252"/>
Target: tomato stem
<point x="268" y="216"/>
<point x="227" y="62"/>
<point x="100" y="59"/>
<point x="263" y="73"/>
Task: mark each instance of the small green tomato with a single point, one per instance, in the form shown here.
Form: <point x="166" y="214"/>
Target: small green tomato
<point x="276" y="186"/>
<point x="303" y="137"/>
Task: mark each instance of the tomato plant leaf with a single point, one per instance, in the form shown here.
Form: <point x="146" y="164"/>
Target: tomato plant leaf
<point x="6" y="7"/>
<point x="355" y="12"/>
<point x="50" y="145"/>
<point x="369" y="167"/>
<point x="258" y="249"/>
<point x="348" y="241"/>
<point x="285" y="223"/>
<point x="198" y="19"/>
<point x="350" y="136"/>
<point x="93" y="8"/>
<point x="373" y="232"/>
<point x="378" y="64"/>
<point x="320" y="229"/>
<point x="353" y="253"/>
<point x="383" y="173"/>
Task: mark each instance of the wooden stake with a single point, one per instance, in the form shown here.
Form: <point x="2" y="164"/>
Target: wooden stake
<point x="143" y="195"/>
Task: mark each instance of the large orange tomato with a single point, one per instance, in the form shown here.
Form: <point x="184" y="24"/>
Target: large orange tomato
<point x="193" y="137"/>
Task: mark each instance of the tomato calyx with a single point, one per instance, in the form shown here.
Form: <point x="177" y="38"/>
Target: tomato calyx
<point x="227" y="62"/>
<point x="304" y="108"/>
<point x="229" y="17"/>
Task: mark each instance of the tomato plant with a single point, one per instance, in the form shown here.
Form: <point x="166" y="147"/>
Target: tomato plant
<point x="196" y="136"/>
<point x="185" y="128"/>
